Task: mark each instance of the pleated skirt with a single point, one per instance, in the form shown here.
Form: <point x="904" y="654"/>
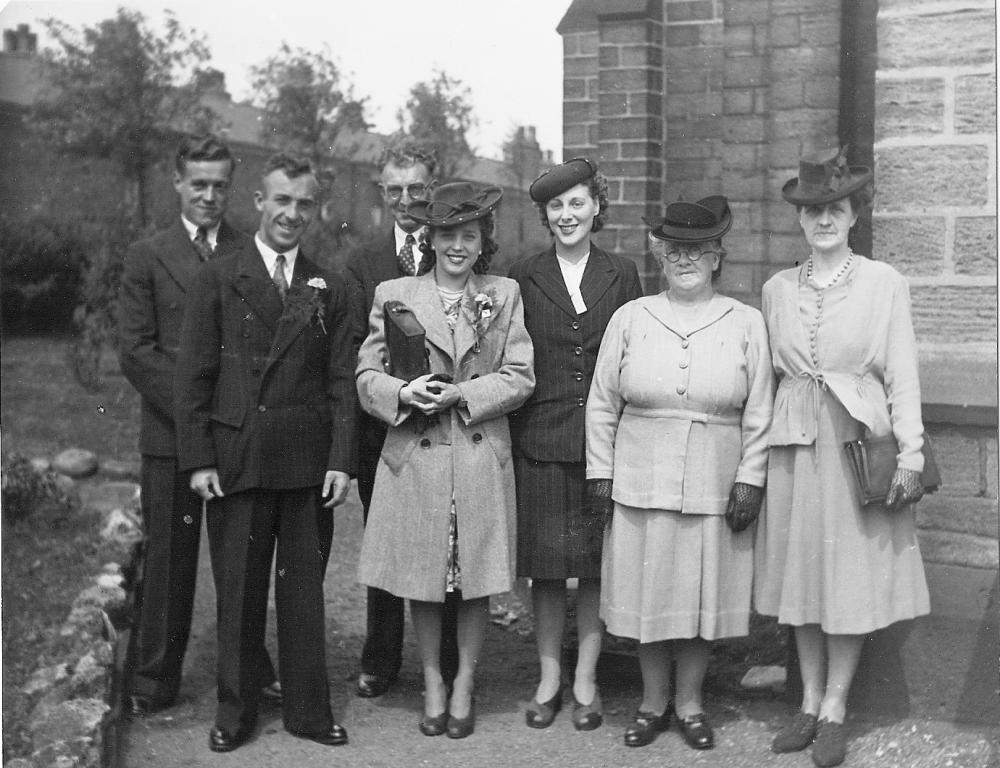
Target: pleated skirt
<point x="556" y="537"/>
<point x="822" y="558"/>
<point x="668" y="575"/>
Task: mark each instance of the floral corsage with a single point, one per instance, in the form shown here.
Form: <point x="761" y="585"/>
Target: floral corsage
<point x="300" y="306"/>
<point x="483" y="303"/>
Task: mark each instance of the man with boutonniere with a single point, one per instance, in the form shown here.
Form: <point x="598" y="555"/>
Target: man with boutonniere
<point x="266" y="407"/>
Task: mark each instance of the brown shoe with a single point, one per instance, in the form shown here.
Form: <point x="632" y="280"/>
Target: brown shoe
<point x="796" y="735"/>
<point x="830" y="747"/>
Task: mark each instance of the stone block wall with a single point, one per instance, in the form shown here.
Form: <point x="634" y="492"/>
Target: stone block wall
<point x="935" y="221"/>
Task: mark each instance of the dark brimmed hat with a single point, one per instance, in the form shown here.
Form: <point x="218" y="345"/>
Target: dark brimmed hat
<point x="559" y="178"/>
<point x="455" y="203"/>
<point x="707" y="219"/>
<point x="825" y="177"/>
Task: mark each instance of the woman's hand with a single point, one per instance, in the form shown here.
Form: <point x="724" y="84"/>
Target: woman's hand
<point x="598" y="500"/>
<point x="429" y="395"/>
<point x="904" y="489"/>
<point x="744" y="506"/>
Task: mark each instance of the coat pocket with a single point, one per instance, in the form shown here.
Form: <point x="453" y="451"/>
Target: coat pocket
<point x="398" y="446"/>
<point x="498" y="434"/>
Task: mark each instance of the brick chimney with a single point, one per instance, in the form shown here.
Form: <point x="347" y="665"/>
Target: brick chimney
<point x="21" y="40"/>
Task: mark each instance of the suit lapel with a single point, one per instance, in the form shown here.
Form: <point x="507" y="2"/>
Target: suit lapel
<point x="598" y="276"/>
<point x="252" y="282"/>
<point x="297" y="310"/>
<point x="179" y="258"/>
<point x="548" y="277"/>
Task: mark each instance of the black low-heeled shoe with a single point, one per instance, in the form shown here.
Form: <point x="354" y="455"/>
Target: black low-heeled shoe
<point x="587" y="717"/>
<point x="335" y="736"/>
<point x="541" y="714"/>
<point x="696" y="731"/>
<point x="645" y="726"/>
<point x="221" y="740"/>
<point x="434" y="726"/>
<point x="460" y="727"/>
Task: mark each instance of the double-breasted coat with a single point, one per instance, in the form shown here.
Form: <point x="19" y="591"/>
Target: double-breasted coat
<point x="265" y="392"/>
<point x="465" y="455"/>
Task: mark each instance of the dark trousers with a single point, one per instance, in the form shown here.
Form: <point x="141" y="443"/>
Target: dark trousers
<point x="171" y="516"/>
<point x="243" y="528"/>
<point x="383" y="651"/>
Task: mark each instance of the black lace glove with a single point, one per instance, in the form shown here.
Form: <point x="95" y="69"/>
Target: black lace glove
<point x="599" y="502"/>
<point x="744" y="506"/>
<point x="904" y="489"/>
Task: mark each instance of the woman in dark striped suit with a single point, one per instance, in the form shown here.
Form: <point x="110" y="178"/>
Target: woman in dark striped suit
<point x="570" y="292"/>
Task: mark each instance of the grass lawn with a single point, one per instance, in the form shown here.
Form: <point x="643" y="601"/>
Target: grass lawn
<point x="50" y="556"/>
<point x="45" y="410"/>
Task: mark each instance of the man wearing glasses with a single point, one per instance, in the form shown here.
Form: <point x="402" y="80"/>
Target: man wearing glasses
<point x="406" y="171"/>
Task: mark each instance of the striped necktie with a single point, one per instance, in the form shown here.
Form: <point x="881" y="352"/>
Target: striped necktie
<point x="201" y="244"/>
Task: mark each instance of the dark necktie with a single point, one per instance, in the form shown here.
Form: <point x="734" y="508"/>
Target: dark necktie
<point x="406" y="256"/>
<point x="201" y="244"/>
<point x="279" y="276"/>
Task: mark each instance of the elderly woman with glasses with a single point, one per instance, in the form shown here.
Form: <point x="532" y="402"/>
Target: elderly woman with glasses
<point x="677" y="424"/>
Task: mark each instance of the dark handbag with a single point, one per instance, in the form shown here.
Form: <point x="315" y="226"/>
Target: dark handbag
<point x="404" y="338"/>
<point x="873" y="463"/>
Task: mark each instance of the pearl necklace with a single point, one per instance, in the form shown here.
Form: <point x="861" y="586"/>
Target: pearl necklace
<point x="839" y="274"/>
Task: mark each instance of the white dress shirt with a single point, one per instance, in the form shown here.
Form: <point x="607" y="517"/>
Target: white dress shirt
<point x="572" y="276"/>
<point x="211" y="234"/>
<point x="270" y="257"/>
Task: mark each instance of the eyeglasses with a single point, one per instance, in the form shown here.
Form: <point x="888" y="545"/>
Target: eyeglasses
<point x="394" y="192"/>
<point x="693" y="253"/>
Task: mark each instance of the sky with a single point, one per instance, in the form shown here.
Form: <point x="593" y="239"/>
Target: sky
<point x="506" y="51"/>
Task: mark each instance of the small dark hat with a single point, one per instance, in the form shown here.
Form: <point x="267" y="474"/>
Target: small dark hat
<point x="559" y="178"/>
<point x="707" y="219"/>
<point x="825" y="177"/>
<point x="455" y="203"/>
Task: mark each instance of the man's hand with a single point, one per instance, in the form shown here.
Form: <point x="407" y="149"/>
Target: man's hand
<point x="335" y="486"/>
<point x="205" y="482"/>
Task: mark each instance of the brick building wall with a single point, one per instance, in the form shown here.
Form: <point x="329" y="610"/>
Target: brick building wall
<point x="699" y="97"/>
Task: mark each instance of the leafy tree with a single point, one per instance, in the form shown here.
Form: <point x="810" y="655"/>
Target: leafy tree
<point x="120" y="90"/>
<point x="438" y="114"/>
<point x="306" y="106"/>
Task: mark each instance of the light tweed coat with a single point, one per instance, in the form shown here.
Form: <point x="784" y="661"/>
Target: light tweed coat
<point x="467" y="453"/>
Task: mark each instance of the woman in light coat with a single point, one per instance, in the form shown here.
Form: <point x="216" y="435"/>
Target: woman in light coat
<point x="846" y="359"/>
<point x="677" y="425"/>
<point x="442" y="511"/>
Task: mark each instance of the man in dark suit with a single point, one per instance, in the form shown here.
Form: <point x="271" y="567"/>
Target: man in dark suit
<point x="266" y="410"/>
<point x="406" y="172"/>
<point x="158" y="273"/>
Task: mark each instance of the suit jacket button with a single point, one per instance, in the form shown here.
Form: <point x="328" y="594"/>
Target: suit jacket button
<point x="575" y="325"/>
<point x="578" y="376"/>
<point x="425" y="443"/>
<point x="681" y="389"/>
<point x="578" y="351"/>
<point x="477" y="438"/>
<point x="581" y="402"/>
<point x="262" y="408"/>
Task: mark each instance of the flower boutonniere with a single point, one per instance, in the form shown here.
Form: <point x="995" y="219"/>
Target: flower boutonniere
<point x="307" y="305"/>
<point x="482" y="310"/>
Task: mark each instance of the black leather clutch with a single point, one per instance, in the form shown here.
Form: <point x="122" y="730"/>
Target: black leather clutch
<point x="404" y="338"/>
<point x="873" y="463"/>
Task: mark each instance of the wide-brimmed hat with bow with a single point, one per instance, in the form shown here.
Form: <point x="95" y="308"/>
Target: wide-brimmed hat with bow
<point x="825" y="177"/>
<point x="699" y="222"/>
<point x="455" y="203"/>
<point x="559" y="178"/>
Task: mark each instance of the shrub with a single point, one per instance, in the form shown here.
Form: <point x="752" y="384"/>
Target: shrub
<point x="41" y="261"/>
<point x="24" y="488"/>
